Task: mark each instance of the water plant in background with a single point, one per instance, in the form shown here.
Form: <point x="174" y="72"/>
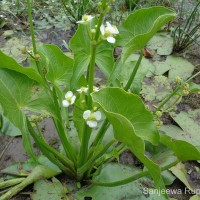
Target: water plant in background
<point x="74" y="10"/>
<point x="95" y="125"/>
<point x="187" y="32"/>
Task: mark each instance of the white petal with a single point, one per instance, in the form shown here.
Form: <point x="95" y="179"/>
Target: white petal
<point x="95" y="89"/>
<point x="69" y="94"/>
<point x="73" y="99"/>
<point x="65" y="103"/>
<point x="79" y="90"/>
<point x="92" y="124"/>
<point x="102" y="29"/>
<point x="85" y="90"/>
<point x="108" y="24"/>
<point x="116" y="30"/>
<point x="110" y="39"/>
<point x="80" y="22"/>
<point x="97" y="115"/>
<point x="90" y="17"/>
<point x="86" y="114"/>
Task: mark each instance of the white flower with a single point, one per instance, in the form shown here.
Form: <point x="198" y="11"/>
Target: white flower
<point x="85" y="89"/>
<point x="85" y="19"/>
<point x="82" y="89"/>
<point x="69" y="99"/>
<point x="95" y="89"/>
<point x="92" y="118"/>
<point x="109" y="32"/>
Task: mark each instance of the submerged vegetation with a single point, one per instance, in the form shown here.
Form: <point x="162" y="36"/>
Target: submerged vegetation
<point x="115" y="90"/>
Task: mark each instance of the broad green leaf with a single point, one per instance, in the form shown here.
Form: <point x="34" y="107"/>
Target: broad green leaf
<point x="132" y="108"/>
<point x="20" y="94"/>
<point x="131" y="123"/>
<point x="52" y="190"/>
<point x="114" y="172"/>
<point x="140" y="27"/>
<point x="182" y="149"/>
<point x="9" y="63"/>
<point x="162" y="42"/>
<point x="59" y="66"/>
<point x="194" y="87"/>
<point x="178" y="134"/>
<point x="80" y="45"/>
<point x="7" y="128"/>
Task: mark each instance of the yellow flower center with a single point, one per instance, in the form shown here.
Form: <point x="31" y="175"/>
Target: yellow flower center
<point x="85" y="18"/>
<point x="107" y="33"/>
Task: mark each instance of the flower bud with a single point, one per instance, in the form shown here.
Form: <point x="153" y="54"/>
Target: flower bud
<point x="186" y="86"/>
<point x="37" y="57"/>
<point x="185" y="92"/>
<point x="23" y="50"/>
<point x="93" y="31"/>
<point x="177" y="80"/>
<point x="158" y="114"/>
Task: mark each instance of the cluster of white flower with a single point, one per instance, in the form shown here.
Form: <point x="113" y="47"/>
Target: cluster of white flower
<point x="90" y="117"/>
<point x="85" y="89"/>
<point x="108" y="32"/>
<point x="85" y="19"/>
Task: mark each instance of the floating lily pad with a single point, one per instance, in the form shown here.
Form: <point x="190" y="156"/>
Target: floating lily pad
<point x="179" y="67"/>
<point x="156" y="89"/>
<point x="181" y="173"/>
<point x="190" y="123"/>
<point x="115" y="172"/>
<point x="162" y="42"/>
<point x="51" y="190"/>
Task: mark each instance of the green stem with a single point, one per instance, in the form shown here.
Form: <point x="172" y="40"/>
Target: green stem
<point x="84" y="145"/>
<point x="37" y="173"/>
<point x="31" y="26"/>
<point x="8" y="183"/>
<point x="132" y="178"/>
<point x="51" y="153"/>
<point x="101" y="133"/>
<point x="175" y="91"/>
<point x="62" y="132"/>
<point x="91" y="160"/>
<point x="130" y="81"/>
<point x="91" y="73"/>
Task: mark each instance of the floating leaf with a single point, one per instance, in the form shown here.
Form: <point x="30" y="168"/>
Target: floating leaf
<point x="52" y="190"/>
<point x="181" y="173"/>
<point x="179" y="67"/>
<point x="178" y="134"/>
<point x="162" y="42"/>
<point x="115" y="172"/>
<point x="156" y="89"/>
<point x="189" y="121"/>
